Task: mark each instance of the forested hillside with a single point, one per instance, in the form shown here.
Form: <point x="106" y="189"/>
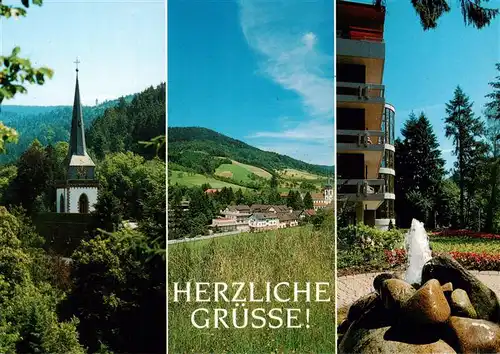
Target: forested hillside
<point x="123" y="127"/>
<point x="47" y="124"/>
<point x="196" y="148"/>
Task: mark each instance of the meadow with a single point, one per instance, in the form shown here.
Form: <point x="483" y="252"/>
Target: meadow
<point x="237" y="172"/>
<point x="194" y="179"/>
<point x="298" y="254"/>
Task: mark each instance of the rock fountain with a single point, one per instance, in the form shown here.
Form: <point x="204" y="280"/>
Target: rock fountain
<point x="439" y="307"/>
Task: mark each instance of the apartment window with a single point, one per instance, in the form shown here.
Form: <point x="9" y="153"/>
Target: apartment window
<point x="350" y="73"/>
<point x="388" y="126"/>
<point x="350" y="119"/>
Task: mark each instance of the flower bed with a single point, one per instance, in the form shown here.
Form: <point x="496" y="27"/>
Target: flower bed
<point x="470" y="260"/>
<point x="466" y="233"/>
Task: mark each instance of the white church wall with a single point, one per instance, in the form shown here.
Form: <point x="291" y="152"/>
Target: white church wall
<point x="74" y="197"/>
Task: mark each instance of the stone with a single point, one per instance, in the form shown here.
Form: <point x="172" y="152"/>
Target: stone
<point x="343" y="327"/>
<point x="448" y="287"/>
<point x="469" y="335"/>
<point x="360" y="306"/>
<point x="379" y="279"/>
<point x="446" y="269"/>
<point x="388" y="340"/>
<point x="394" y="292"/>
<point x="428" y="305"/>
<point x="460" y="304"/>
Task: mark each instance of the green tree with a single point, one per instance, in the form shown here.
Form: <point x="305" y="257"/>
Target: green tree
<point x="33" y="177"/>
<point x="419" y="170"/>
<point x="274" y="182"/>
<point x="119" y="294"/>
<point x="308" y="201"/>
<point x="466" y="130"/>
<point x="473" y="12"/>
<point x="492" y="113"/>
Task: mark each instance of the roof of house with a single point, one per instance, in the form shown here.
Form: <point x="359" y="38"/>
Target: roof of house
<point x="287" y="216"/>
<point x="264" y="216"/>
<point x="280" y="208"/>
<point x="310" y="212"/>
<point x="211" y="190"/>
<point x="317" y="196"/>
<point x="239" y="207"/>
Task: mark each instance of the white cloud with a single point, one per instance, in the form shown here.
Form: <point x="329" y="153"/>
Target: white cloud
<point x="290" y="58"/>
<point x="311" y="130"/>
<point x="279" y="31"/>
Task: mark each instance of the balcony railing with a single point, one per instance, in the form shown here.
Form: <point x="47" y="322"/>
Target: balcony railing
<point x="361" y="34"/>
<point x="361" y="91"/>
<point x="362" y="138"/>
<point x="361" y="187"/>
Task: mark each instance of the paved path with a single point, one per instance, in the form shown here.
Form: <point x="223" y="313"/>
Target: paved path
<point x="199" y="238"/>
<point x="351" y="287"/>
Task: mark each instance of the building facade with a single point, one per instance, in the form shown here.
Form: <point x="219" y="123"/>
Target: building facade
<point x="79" y="191"/>
<point x="365" y="123"/>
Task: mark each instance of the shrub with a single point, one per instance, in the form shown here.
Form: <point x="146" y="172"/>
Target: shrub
<point x="359" y="245"/>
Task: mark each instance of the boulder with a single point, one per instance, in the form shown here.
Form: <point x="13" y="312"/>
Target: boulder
<point x="448" y="287"/>
<point x="469" y="335"/>
<point x="360" y="306"/>
<point x="460" y="304"/>
<point x="446" y="269"/>
<point x="343" y="327"/>
<point x="427" y="306"/>
<point x="395" y="292"/>
<point x="379" y="279"/>
<point x="387" y="340"/>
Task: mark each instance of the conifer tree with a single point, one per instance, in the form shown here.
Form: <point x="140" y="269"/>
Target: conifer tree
<point x="466" y="130"/>
<point x="419" y="169"/>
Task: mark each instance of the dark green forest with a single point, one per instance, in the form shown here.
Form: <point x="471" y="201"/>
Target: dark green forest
<point x="111" y="296"/>
<point x="47" y="124"/>
<point x="198" y="148"/>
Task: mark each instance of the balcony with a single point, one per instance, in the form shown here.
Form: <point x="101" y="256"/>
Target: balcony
<point x="355" y="141"/>
<point x="372" y="192"/>
<point x="360" y="47"/>
<point x="359" y="92"/>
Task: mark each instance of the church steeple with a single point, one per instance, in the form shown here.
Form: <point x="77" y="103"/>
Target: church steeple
<point x="81" y="165"/>
<point x="77" y="139"/>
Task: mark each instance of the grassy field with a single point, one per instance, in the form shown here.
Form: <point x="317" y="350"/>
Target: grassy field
<point x="291" y="173"/>
<point x="290" y="255"/>
<point x="255" y="170"/>
<point x="462" y="244"/>
<point x="191" y="180"/>
<point x="236" y="172"/>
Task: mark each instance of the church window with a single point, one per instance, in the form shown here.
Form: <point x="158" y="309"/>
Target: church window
<point x="62" y="206"/>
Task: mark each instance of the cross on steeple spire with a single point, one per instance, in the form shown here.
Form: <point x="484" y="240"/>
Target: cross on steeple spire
<point x="76" y="62"/>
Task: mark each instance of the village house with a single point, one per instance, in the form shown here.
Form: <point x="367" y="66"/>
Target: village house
<point x="288" y="219"/>
<point x="258" y="217"/>
<point x="263" y="222"/>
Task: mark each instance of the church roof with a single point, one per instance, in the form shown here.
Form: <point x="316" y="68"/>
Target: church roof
<point x="77" y="147"/>
<point x="81" y="160"/>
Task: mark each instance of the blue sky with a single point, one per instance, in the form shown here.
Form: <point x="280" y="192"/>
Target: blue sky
<point x="257" y="70"/>
<point x="121" y="46"/>
<point x="422" y="69"/>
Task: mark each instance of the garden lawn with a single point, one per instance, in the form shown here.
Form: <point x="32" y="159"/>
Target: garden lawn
<point x="464" y="244"/>
<point x="293" y="255"/>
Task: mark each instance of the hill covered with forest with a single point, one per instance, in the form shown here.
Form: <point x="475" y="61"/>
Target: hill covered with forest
<point x="201" y="150"/>
<point x="48" y="124"/>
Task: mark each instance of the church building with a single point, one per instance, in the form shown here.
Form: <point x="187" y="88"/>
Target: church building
<point x="78" y="193"/>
